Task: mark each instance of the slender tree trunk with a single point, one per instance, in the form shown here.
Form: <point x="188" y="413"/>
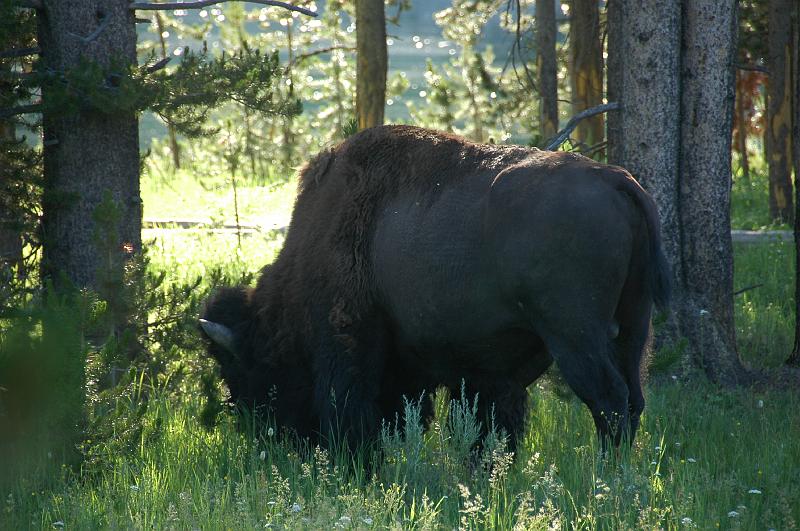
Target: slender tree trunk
<point x="779" y="113"/>
<point x="90" y="155"/>
<point x="174" y="148"/>
<point x="586" y="68"/>
<point x="794" y="358"/>
<point x="546" y="67"/>
<point x="10" y="237"/>
<point x="672" y="72"/>
<point x="741" y="129"/>
<point x="372" y="62"/>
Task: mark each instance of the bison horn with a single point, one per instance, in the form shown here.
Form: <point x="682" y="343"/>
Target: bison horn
<point x="219" y="334"/>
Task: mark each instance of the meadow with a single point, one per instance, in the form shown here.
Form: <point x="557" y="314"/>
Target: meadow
<point x="705" y="457"/>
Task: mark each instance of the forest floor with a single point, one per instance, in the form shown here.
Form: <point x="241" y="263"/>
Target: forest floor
<point x="705" y="457"/>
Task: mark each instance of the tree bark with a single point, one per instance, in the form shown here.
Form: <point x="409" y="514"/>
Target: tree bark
<point x="672" y="71"/>
<point x="586" y="68"/>
<point x="372" y="62"/>
<point x="88" y="155"/>
<point x="779" y="113"/>
<point x="546" y="67"/>
<point x="707" y="73"/>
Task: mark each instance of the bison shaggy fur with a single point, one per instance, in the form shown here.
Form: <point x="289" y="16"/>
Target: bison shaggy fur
<point x="417" y="259"/>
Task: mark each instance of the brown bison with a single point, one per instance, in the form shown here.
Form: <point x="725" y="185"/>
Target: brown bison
<point x="417" y="259"/>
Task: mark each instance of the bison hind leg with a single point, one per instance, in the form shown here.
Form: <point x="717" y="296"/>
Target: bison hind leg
<point x="585" y="361"/>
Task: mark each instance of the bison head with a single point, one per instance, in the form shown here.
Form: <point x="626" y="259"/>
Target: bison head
<point x="257" y="378"/>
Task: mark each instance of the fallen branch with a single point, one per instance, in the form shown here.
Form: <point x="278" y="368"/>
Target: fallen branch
<point x="20" y="52"/>
<point x="21" y="109"/>
<point x="199" y="4"/>
<point x="563" y="135"/>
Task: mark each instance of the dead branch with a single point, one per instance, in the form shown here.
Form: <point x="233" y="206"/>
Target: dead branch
<point x="752" y="68"/>
<point x="104" y="22"/>
<point x="20" y="52"/>
<point x="562" y="136"/>
<point x="302" y="57"/>
<point x="158" y="65"/>
<point x="199" y="4"/>
<point x="21" y="109"/>
<point x="28" y="4"/>
<point x="745" y="289"/>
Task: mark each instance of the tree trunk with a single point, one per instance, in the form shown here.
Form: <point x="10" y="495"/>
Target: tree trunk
<point x="794" y="358"/>
<point x="372" y="62"/>
<point x="89" y="155"/>
<point x="741" y="128"/>
<point x="779" y="114"/>
<point x="10" y="237"/>
<point x="546" y="68"/>
<point x="705" y="307"/>
<point x="586" y="68"/>
<point x="674" y="134"/>
<point x="174" y="147"/>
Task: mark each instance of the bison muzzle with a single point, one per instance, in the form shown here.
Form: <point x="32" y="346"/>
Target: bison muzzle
<point x="417" y="259"/>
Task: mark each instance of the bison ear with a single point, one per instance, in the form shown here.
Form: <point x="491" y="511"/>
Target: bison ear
<point x="219" y="334"/>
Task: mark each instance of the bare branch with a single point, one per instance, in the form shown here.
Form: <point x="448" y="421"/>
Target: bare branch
<point x="21" y="109"/>
<point x="752" y="68"/>
<point x="28" y="4"/>
<point x="104" y="22"/>
<point x="302" y="57"/>
<point x="199" y="4"/>
<point x="158" y="65"/>
<point x="746" y="289"/>
<point x="562" y="136"/>
<point x="20" y="52"/>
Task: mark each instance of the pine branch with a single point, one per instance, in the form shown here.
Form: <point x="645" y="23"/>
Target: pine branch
<point x="21" y="109"/>
<point x="562" y="136"/>
<point x="20" y="52"/>
<point x="199" y="4"/>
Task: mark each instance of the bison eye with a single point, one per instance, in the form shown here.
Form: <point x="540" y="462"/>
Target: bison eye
<point x="219" y="334"/>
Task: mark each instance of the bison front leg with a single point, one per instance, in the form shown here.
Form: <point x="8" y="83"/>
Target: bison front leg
<point x="347" y="375"/>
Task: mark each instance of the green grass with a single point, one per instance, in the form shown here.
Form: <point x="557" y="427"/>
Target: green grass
<point x="704" y="458"/>
<point x="701" y="454"/>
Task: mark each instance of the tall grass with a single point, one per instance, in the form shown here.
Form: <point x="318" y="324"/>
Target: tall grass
<point x="704" y="457"/>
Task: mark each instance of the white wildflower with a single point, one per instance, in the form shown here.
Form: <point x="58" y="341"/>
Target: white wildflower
<point x="704" y="312"/>
<point x="296" y="508"/>
<point x="691" y="459"/>
<point x="733" y="514"/>
<point x="135" y="488"/>
<point x="270" y="432"/>
<point x="760" y="403"/>
<point x="753" y="491"/>
<point x="58" y="525"/>
<point x="686" y="520"/>
<point x="367" y="520"/>
<point x="262" y="455"/>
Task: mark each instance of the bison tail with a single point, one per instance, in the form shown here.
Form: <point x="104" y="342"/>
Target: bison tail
<point x="660" y="276"/>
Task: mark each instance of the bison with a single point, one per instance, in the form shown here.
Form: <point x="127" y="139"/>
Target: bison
<point x="417" y="259"/>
